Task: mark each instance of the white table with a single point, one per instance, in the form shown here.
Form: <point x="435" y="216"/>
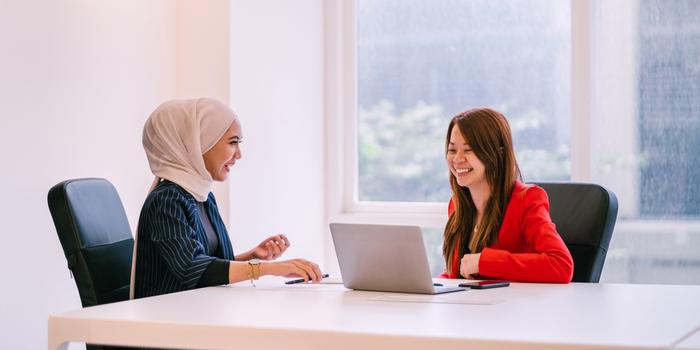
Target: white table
<point x="275" y="316"/>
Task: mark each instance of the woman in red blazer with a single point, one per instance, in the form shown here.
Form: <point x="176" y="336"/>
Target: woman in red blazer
<point x="498" y="227"/>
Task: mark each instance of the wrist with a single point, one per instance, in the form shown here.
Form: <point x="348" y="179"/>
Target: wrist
<point x="476" y="264"/>
<point x="250" y="255"/>
<point x="245" y="256"/>
<point x="266" y="269"/>
<point x="231" y="273"/>
<point x="253" y="270"/>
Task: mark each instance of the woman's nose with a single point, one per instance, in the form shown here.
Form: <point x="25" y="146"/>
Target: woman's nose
<point x="238" y="153"/>
<point x="459" y="157"/>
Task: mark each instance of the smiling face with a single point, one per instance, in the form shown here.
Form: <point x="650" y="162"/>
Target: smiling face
<point x="463" y="162"/>
<point x="220" y="158"/>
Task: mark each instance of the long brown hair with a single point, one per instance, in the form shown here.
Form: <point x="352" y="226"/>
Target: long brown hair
<point x="488" y="134"/>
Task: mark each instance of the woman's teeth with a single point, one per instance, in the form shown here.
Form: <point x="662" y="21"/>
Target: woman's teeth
<point x="463" y="170"/>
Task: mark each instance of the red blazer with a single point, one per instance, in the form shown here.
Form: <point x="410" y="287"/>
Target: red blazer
<point x="528" y="248"/>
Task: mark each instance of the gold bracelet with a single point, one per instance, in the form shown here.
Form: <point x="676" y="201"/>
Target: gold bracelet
<point x="249" y="272"/>
<point x="254" y="272"/>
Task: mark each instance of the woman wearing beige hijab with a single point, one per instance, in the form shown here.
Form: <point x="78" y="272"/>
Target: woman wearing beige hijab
<point x="182" y="242"/>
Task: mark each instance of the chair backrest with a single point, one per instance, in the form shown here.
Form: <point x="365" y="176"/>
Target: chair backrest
<point x="585" y="216"/>
<point x="96" y="238"/>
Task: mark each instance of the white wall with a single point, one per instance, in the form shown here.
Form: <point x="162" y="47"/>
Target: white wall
<point x="203" y="62"/>
<point x="77" y="81"/>
<point x="277" y="89"/>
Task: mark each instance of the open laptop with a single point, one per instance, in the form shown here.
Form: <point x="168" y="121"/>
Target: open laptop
<point x="384" y="258"/>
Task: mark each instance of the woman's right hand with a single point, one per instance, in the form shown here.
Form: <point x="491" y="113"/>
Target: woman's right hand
<point x="293" y="268"/>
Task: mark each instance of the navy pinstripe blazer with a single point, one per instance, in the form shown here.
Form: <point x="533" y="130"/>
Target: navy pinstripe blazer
<point x="172" y="251"/>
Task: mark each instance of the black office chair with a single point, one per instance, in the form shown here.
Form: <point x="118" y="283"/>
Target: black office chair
<point x="96" y="238"/>
<point x="585" y="216"/>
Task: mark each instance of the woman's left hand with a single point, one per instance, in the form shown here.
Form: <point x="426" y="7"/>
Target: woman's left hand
<point x="271" y="248"/>
<point x="469" y="265"/>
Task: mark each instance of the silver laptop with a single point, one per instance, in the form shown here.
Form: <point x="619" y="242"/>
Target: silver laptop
<point x="384" y="258"/>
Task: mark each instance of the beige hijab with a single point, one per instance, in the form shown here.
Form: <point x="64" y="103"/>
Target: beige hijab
<point x="175" y="137"/>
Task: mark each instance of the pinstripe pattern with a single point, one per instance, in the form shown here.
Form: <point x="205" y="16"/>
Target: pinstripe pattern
<point x="172" y="251"/>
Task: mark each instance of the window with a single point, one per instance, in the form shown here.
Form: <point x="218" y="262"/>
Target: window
<point x="645" y="129"/>
<point x="421" y="62"/>
<point x="415" y="64"/>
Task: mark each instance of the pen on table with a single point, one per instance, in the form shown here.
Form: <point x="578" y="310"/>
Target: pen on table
<point x="301" y="280"/>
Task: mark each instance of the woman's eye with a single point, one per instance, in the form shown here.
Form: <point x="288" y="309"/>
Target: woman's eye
<point x="450" y="151"/>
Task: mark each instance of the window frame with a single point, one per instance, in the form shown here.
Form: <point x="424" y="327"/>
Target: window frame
<point x="340" y="85"/>
<point x="341" y="121"/>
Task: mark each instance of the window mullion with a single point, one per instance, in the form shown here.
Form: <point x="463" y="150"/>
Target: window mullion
<point x="581" y="24"/>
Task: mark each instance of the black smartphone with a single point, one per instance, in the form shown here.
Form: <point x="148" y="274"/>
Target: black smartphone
<point x="486" y="284"/>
